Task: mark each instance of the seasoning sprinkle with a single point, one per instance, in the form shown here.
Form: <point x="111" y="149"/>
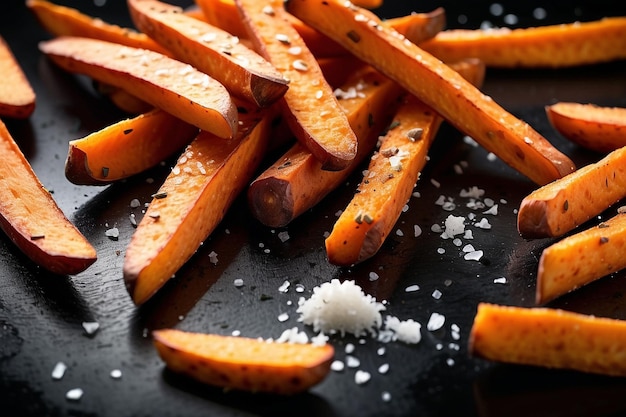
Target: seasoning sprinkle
<point x="415" y="134"/>
<point x="353" y="36"/>
<point x="300" y="65"/>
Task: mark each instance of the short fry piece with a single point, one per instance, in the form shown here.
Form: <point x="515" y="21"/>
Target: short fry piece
<point x="582" y="258"/>
<point x="309" y="106"/>
<point x="363" y="226"/>
<point x="438" y="86"/>
<point x="296" y="181"/>
<point x="170" y="85"/>
<point x="17" y="98"/>
<point x="244" y="363"/>
<point x="126" y="148"/>
<point x="66" y="21"/>
<point x="194" y="198"/>
<point x="549" y="338"/>
<point x="31" y="218"/>
<point x="601" y="129"/>
<point x="561" y="206"/>
<point x="551" y="46"/>
<point x="211" y="50"/>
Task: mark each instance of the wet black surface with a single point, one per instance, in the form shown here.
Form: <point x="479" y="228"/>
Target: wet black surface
<point x="41" y="314"/>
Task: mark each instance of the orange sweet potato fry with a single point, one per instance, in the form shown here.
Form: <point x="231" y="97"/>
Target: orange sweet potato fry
<point x="561" y="206"/>
<point x="549" y="338"/>
<point x="601" y="129"/>
<point x="17" y="98"/>
<point x="438" y="86"/>
<point x="552" y="46"/>
<point x="126" y="148"/>
<point x="309" y="106"/>
<point x="244" y="363"/>
<point x="581" y="258"/>
<point x="66" y="21"/>
<point x="170" y="85"/>
<point x="365" y="223"/>
<point x="33" y="221"/>
<point x="194" y="198"/>
<point x="296" y="181"/>
<point x="211" y="50"/>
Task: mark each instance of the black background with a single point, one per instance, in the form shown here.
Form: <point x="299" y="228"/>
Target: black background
<point x="41" y="314"/>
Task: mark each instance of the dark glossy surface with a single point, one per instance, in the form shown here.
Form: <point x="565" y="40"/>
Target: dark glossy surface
<point x="41" y="314"/>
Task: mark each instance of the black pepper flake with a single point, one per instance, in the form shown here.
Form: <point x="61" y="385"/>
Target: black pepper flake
<point x="37" y="237"/>
<point x="353" y="36"/>
<point x="604" y="240"/>
<point x="128" y="131"/>
<point x="415" y="134"/>
<point x="105" y="172"/>
<point x="284" y="165"/>
<point x="566" y="205"/>
<point x="159" y="195"/>
<point x="602" y="225"/>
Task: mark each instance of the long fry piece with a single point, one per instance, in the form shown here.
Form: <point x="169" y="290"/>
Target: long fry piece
<point x="363" y="226"/>
<point x="66" y="21"/>
<point x="126" y="148"/>
<point x="561" y="206"/>
<point x="581" y="258"/>
<point x="244" y="363"/>
<point x="309" y="106"/>
<point x="602" y="129"/>
<point x="17" y="98"/>
<point x="192" y="201"/>
<point x="296" y="181"/>
<point x="170" y="85"/>
<point x="549" y="338"/>
<point x="31" y="218"/>
<point x="553" y="46"/>
<point x="211" y="50"/>
<point x="439" y="87"/>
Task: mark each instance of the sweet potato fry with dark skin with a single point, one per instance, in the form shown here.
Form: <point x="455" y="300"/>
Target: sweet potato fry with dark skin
<point x="434" y="83"/>
<point x="33" y="221"/>
<point x="581" y="258"/>
<point x="601" y="129"/>
<point x="170" y="85"/>
<point x="244" y="363"/>
<point x="211" y="50"/>
<point x="126" y="148"/>
<point x="549" y="338"/>
<point x="561" y="206"/>
<point x="309" y="106"/>
<point x="554" y="46"/>
<point x="17" y="98"/>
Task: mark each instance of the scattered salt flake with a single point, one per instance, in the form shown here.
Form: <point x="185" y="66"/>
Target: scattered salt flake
<point x="112" y="233"/>
<point x="337" y="366"/>
<point x="373" y="276"/>
<point x="454" y="226"/>
<point x="284" y="287"/>
<point x="412" y="288"/>
<point x="135" y="203"/>
<point x="299" y="288"/>
<point x="381" y="351"/>
<point x="491" y="157"/>
<point x="59" y="370"/>
<point x="470" y="141"/>
<point x="213" y="257"/>
<point x="435" y="183"/>
<point x="283" y="317"/>
<point x="468" y="248"/>
<point x="501" y="280"/>
<point x="283" y="236"/>
<point x="74" y="394"/>
<point x="483" y="224"/>
<point x="91" y="327"/>
<point x="116" y="374"/>
<point x="454" y="346"/>
<point x="293" y="335"/>
<point x="349" y="348"/>
<point x="407" y="331"/>
<point x="352" y="361"/>
<point x="450" y="362"/>
<point x="472" y="192"/>
<point x="361" y="377"/>
<point x="236" y="333"/>
<point x="436" y="294"/>
<point x="399" y="233"/>
<point x="474" y="255"/>
<point x="383" y="369"/>
<point x="457" y="242"/>
<point x="320" y="340"/>
<point x="493" y="210"/>
<point x="436" y="228"/>
<point x="386" y="396"/>
<point x="238" y="282"/>
<point x="417" y="231"/>
<point x="455" y="331"/>
<point x="469" y="235"/>
<point x="435" y="322"/>
<point x="441" y="251"/>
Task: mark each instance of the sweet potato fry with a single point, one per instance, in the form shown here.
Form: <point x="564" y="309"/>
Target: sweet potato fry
<point x="552" y="46"/>
<point x="417" y="27"/>
<point x="309" y="106"/>
<point x="192" y="201"/>
<point x="438" y="86"/>
<point x="211" y="50"/>
<point x="296" y="181"/>
<point x="33" y="221"/>
<point x="549" y="338"/>
<point x="17" y="98"/>
<point x="243" y="363"/>
<point x="66" y="21"/>
<point x="581" y="258"/>
<point x="126" y="148"/>
<point x="170" y="85"/>
<point x="363" y="226"/>
<point x="601" y="129"/>
<point x="561" y="206"/>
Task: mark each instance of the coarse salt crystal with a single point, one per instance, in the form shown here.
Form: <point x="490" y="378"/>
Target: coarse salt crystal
<point x="59" y="370"/>
<point x="435" y="322"/>
<point x="112" y="233"/>
<point x="337" y="366"/>
<point x="352" y="361"/>
<point x="134" y="203"/>
<point x="437" y="294"/>
<point x="361" y="377"/>
<point x="474" y="255"/>
<point x="116" y="374"/>
<point x="74" y="394"/>
<point x="284" y="287"/>
<point x="238" y="282"/>
<point x="283" y="317"/>
<point x="417" y="231"/>
<point x="501" y="280"/>
<point x="383" y="369"/>
<point x="373" y="276"/>
<point x="385" y="396"/>
<point x="493" y="210"/>
<point x="349" y="348"/>
<point x="412" y="288"/>
<point x="213" y="257"/>
<point x="91" y="327"/>
<point x="483" y="224"/>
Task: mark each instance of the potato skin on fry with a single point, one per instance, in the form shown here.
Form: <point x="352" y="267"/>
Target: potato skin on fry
<point x="244" y="363"/>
